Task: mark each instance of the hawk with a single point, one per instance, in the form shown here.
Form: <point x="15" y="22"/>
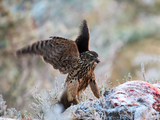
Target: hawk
<point x="72" y="57"/>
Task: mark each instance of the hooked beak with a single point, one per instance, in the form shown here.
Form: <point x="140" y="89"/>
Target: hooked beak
<point x="97" y="60"/>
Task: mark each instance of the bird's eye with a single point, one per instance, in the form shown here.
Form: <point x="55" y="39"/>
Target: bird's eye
<point x="91" y="56"/>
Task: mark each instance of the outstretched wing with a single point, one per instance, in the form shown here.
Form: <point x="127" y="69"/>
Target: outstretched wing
<point x="61" y="53"/>
<point x="82" y="40"/>
<point x="94" y="86"/>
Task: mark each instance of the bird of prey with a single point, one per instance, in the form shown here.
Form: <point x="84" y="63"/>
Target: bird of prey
<point x="72" y="57"/>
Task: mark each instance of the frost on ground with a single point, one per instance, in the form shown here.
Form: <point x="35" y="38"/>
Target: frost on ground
<point x="133" y="100"/>
<point x="136" y="100"/>
<point x="8" y="113"/>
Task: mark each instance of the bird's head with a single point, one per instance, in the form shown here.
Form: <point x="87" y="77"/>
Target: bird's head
<point x="90" y="57"/>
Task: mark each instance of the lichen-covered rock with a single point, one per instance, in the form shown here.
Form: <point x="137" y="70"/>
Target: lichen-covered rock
<point x="136" y="100"/>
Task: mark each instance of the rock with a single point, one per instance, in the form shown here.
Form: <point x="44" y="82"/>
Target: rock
<point x="136" y="100"/>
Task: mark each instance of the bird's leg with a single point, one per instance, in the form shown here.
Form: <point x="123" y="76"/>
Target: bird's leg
<point x="77" y="100"/>
<point x="79" y="96"/>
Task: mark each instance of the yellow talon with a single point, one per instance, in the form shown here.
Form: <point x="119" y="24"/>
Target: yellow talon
<point x="77" y="101"/>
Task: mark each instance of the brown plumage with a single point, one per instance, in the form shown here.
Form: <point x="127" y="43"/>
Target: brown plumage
<point x="72" y="57"/>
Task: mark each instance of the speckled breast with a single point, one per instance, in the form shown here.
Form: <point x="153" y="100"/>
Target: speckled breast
<point x="84" y="81"/>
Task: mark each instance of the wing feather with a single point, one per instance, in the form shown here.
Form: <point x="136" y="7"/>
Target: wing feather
<point x="94" y="86"/>
<point x="82" y="40"/>
<point x="61" y="53"/>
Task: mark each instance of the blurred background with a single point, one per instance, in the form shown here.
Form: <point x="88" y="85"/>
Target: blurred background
<point x="125" y="33"/>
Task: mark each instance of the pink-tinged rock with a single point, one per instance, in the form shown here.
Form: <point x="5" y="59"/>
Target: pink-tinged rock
<point x="133" y="100"/>
<point x="131" y="92"/>
<point x="142" y="98"/>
